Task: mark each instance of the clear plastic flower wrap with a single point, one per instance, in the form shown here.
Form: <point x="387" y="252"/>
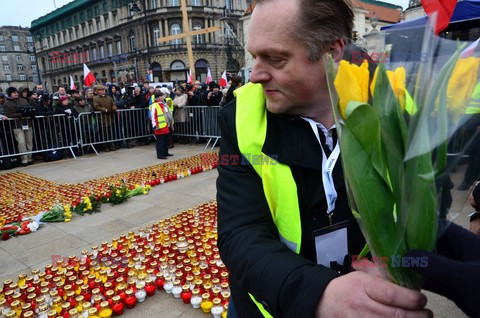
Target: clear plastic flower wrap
<point x="404" y="132"/>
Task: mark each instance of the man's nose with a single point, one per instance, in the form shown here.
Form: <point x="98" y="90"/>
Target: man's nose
<point x="259" y="74"/>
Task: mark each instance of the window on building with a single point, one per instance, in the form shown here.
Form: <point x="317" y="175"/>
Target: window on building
<point x="2" y="38"/>
<point x="4" y="58"/>
<point x="119" y="47"/>
<point x="105" y="6"/>
<point x="34" y="67"/>
<point x="9" y="77"/>
<point x="174" y="30"/>
<point x="32" y="58"/>
<point x="18" y="58"/>
<point x="196" y="3"/>
<point x="16" y="48"/>
<point x="133" y="42"/>
<point x="156" y="35"/>
<point x="173" y="3"/>
<point x="30" y="48"/>
<point x="96" y="10"/>
<point x="2" y="48"/>
<point x="229" y="4"/>
<point x="15" y="38"/>
<point x="197" y="39"/>
<point x="29" y="39"/>
<point x="114" y="4"/>
<point x="154" y="4"/>
<point x="19" y="67"/>
<point x="6" y="67"/>
<point x="23" y="77"/>
<point x="110" y="49"/>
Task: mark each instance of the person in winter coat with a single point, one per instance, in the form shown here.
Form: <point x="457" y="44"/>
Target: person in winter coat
<point x="105" y="105"/>
<point x="116" y="95"/>
<point x="274" y="232"/>
<point x="23" y="126"/>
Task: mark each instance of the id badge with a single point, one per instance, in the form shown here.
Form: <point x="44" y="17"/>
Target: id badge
<point x="331" y="244"/>
<point x="25" y="127"/>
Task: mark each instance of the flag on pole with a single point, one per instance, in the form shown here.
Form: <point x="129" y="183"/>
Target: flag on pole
<point x="223" y="81"/>
<point x="209" y="77"/>
<point x="189" y="77"/>
<point x="88" y="78"/>
<point x="72" y="84"/>
<point x="444" y="10"/>
<point x="469" y="50"/>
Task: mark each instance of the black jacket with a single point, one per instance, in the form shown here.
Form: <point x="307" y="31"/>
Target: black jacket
<point x="289" y="285"/>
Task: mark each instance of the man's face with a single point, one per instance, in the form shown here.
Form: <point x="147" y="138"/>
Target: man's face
<point x="61" y="90"/>
<point x="14" y="95"/>
<point x="137" y="91"/>
<point x="101" y="92"/>
<point x="39" y="87"/>
<point x="81" y="102"/>
<point x="89" y="94"/>
<point x="292" y="83"/>
<point x="216" y="89"/>
<point x="2" y="100"/>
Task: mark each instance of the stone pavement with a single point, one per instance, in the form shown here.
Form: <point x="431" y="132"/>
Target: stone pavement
<point x="35" y="250"/>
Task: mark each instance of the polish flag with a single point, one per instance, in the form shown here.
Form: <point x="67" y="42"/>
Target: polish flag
<point x="444" y="9"/>
<point x="189" y="77"/>
<point x="209" y="77"/>
<point x="223" y="81"/>
<point x="88" y="78"/>
<point x="468" y="51"/>
<point x="72" y="84"/>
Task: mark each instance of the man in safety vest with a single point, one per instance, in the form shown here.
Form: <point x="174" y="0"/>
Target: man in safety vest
<point x="161" y="119"/>
<point x="285" y="244"/>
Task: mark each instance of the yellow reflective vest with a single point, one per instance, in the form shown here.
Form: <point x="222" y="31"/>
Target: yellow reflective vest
<point x="278" y="184"/>
<point x="474" y="105"/>
<point x="161" y="119"/>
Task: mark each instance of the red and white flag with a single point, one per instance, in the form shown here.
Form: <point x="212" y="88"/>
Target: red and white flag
<point x="209" y="77"/>
<point x="72" y="84"/>
<point x="444" y="10"/>
<point x="189" y="77"/>
<point x="223" y="81"/>
<point x="468" y="51"/>
<point x="88" y="78"/>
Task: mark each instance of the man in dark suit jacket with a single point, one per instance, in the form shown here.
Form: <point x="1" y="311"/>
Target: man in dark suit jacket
<point x="288" y="41"/>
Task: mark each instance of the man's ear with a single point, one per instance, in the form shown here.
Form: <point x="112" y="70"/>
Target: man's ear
<point x="337" y="49"/>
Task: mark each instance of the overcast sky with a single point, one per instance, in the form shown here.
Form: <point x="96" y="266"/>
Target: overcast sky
<point x="23" y="12"/>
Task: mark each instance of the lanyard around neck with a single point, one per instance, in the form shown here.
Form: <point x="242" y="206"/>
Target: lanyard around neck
<point x="327" y="171"/>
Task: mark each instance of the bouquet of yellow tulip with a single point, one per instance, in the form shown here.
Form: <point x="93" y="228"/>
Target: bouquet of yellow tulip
<point x="394" y="127"/>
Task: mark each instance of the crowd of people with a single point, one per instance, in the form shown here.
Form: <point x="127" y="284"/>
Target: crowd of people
<point x="25" y="137"/>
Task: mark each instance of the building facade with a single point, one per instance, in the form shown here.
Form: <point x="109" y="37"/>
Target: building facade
<point x="18" y="66"/>
<point x="110" y="37"/>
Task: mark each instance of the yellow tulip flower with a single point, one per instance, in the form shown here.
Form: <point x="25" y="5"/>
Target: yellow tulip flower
<point x="351" y="84"/>
<point x="461" y="84"/>
<point x="397" y="79"/>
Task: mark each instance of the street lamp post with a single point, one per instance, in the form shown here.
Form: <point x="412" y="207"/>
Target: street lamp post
<point x="136" y="9"/>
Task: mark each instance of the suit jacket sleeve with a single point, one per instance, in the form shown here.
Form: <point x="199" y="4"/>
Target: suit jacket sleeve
<point x="259" y="263"/>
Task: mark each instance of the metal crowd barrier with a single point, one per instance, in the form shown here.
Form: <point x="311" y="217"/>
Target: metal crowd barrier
<point x="58" y="132"/>
<point x="124" y="124"/>
<point x="201" y="122"/>
<point x="40" y="134"/>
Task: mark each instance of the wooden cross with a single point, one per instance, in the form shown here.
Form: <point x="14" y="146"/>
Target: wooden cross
<point x="187" y="35"/>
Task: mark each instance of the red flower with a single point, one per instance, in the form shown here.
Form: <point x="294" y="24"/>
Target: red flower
<point x="5" y="236"/>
